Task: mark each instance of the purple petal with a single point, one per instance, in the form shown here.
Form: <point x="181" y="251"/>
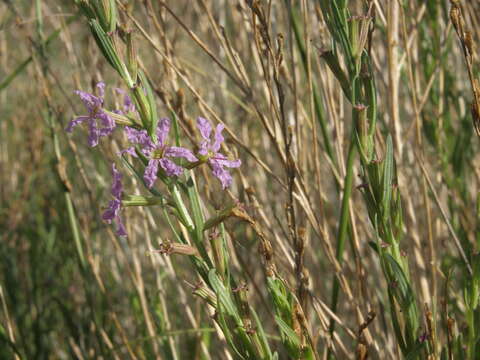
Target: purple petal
<point x="128" y="105"/>
<point x="218" y="137"/>
<point x="135" y="136"/>
<point x="170" y="167"/>
<point x="121" y="231"/>
<point x="77" y="121"/>
<point x="174" y="151"/>
<point x="117" y="186"/>
<point x="220" y="173"/>
<point x="101" y="89"/>
<point x="162" y="130"/>
<point x="130" y="151"/>
<point x="140" y="137"/>
<point x="203" y="148"/>
<point x="112" y="211"/>
<point x="107" y="120"/>
<point x="90" y="101"/>
<point x="105" y="131"/>
<point x="205" y="128"/>
<point x="94" y="133"/>
<point x="228" y="163"/>
<point x="150" y="174"/>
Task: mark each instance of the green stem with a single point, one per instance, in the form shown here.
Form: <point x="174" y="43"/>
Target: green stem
<point x="344" y="222"/>
<point x="73" y="224"/>
<point x="471" y="334"/>
<point x="68" y="198"/>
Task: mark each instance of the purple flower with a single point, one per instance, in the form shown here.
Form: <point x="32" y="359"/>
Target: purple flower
<point x="114" y="206"/>
<point x="128" y="105"/>
<point x="210" y="150"/>
<point x="159" y="154"/>
<point x="95" y="112"/>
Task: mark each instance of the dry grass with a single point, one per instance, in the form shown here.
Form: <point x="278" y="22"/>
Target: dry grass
<point x="365" y="216"/>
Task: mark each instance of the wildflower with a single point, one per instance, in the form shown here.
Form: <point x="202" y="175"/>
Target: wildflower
<point x="159" y="154"/>
<point x="95" y="112"/>
<point x="114" y="206"/>
<point x="128" y="105"/>
<point x="209" y="151"/>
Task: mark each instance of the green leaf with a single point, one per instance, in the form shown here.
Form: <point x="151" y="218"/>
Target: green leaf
<point x="198" y="219"/>
<point x="107" y="47"/>
<point x="337" y="70"/>
<point x="112" y="15"/>
<point x="288" y="331"/>
<point x="105" y="44"/>
<point x="279" y="296"/>
<point x="99" y="13"/>
<point x="224" y="297"/>
<point x="141" y="200"/>
<point x="395" y="322"/>
<point x="153" y="120"/>
<point x="262" y="336"/>
<point x="290" y="338"/>
<point x="387" y="179"/>
<point x="404" y="291"/>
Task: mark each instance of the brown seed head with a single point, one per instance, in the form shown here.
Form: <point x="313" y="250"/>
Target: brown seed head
<point x="455" y="16"/>
<point x="469" y="43"/>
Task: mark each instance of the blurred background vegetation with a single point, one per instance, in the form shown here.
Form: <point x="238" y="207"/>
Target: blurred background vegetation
<point x="70" y="288"/>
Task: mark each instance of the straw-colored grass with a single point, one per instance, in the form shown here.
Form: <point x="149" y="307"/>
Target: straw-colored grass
<point x="350" y="231"/>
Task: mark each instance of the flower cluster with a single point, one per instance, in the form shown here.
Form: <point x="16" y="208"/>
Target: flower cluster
<point x="159" y="154"/>
<point x="161" y="157"/>
<point x="209" y="151"/>
<point x="96" y="113"/>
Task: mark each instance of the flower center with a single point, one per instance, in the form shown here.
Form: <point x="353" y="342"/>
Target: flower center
<point x="159" y="152"/>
